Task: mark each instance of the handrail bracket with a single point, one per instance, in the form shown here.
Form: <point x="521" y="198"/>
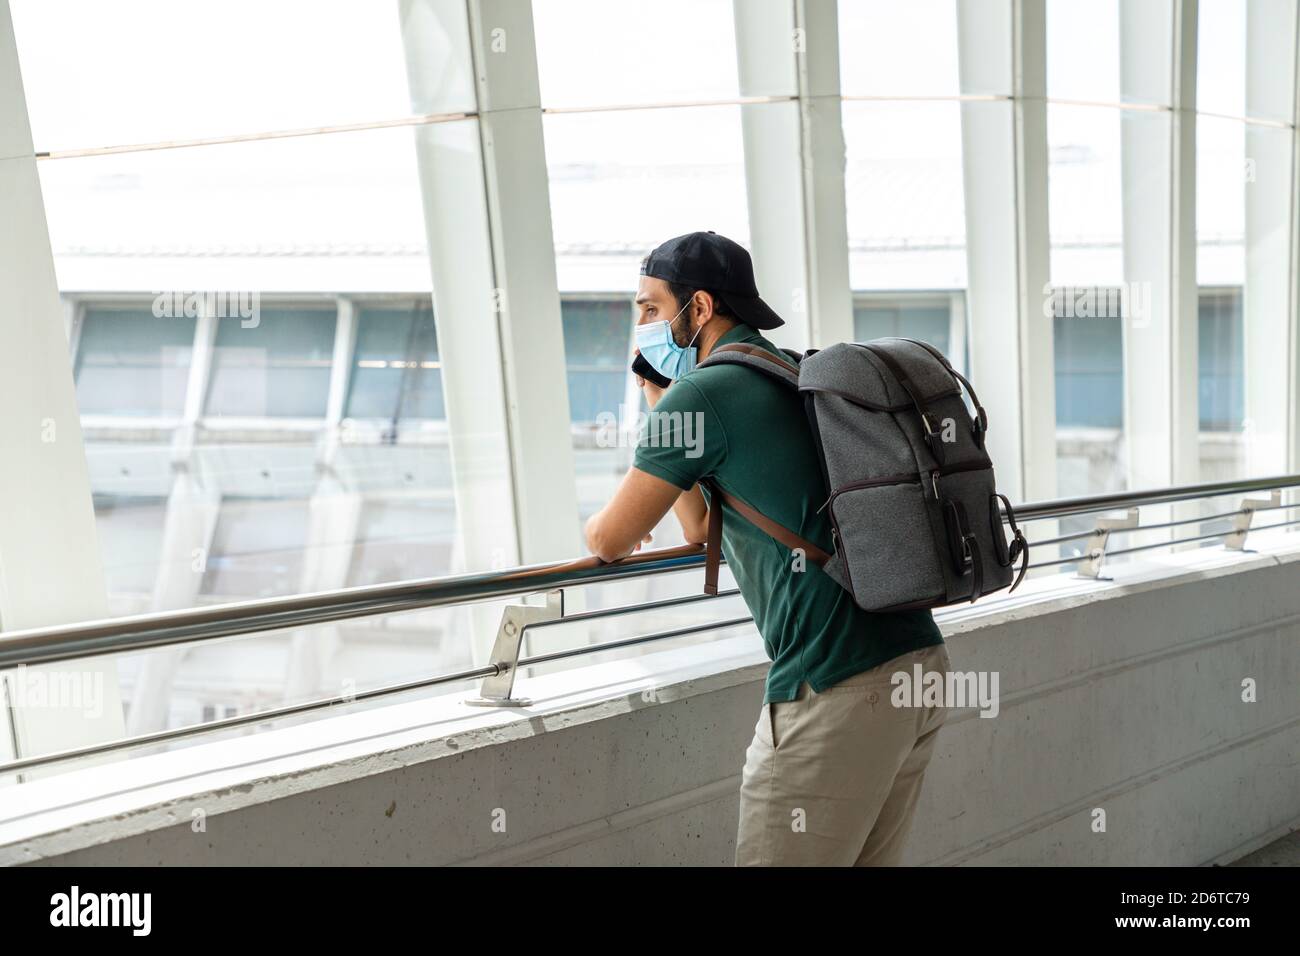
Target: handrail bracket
<point x="1241" y="521"/>
<point x="1090" y="566"/>
<point x="496" y="688"/>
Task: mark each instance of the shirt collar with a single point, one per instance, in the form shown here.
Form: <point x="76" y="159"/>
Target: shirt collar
<point x="741" y="332"/>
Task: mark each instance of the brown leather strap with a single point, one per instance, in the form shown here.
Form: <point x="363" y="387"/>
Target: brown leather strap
<point x="713" y="547"/>
<point x="780" y="532"/>
<point x="755" y="351"/>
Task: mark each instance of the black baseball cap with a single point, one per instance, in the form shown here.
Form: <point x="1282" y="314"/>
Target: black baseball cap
<point x="714" y="263"/>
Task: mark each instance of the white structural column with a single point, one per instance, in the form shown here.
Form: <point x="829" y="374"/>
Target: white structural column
<point x="1269" y="298"/>
<point x="1004" y="162"/>
<point x="1158" y="69"/>
<point x="50" y="568"/>
<point x="794" y="166"/>
<point x="488" y="222"/>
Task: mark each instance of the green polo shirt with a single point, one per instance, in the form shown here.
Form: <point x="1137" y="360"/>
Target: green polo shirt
<point x="750" y="434"/>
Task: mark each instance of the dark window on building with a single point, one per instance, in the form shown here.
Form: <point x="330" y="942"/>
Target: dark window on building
<point x="1221" y="373"/>
<point x="1089" y="347"/>
<point x="276" y="367"/>
<point x="922" y="317"/>
<point x="396" y="372"/>
<point x="130" y="362"/>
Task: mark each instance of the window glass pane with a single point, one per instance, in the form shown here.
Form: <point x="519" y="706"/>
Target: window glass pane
<point x="403" y="538"/>
<point x="111" y="74"/>
<point x="315" y="217"/>
<point x="1083" y="50"/>
<point x="133" y="480"/>
<point x="898" y="49"/>
<point x="669" y="51"/>
<point x="257" y="548"/>
<point x="904" y="196"/>
<point x="1089" y="368"/>
<point x="334" y="212"/>
<point x="131" y="363"/>
<point x="278" y="367"/>
<point x="1221" y="57"/>
<point x="915" y="317"/>
<point x="603" y="400"/>
<point x="1085" y="191"/>
<point x="1223" y="175"/>
<point x="610" y="205"/>
<point x="598" y="351"/>
<point x="1235" y="161"/>
<point x="395" y="369"/>
<point x="623" y="182"/>
<point x="1221" y="374"/>
<point x="257" y="506"/>
<point x="1089" y="362"/>
<point x="130" y="534"/>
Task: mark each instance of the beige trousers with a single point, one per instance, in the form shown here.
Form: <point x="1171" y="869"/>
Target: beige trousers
<point x="832" y="779"/>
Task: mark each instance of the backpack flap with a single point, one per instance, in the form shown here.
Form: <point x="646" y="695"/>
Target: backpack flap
<point x="848" y="371"/>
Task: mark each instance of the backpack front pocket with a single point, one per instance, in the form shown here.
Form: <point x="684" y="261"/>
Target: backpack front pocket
<point x="882" y="524"/>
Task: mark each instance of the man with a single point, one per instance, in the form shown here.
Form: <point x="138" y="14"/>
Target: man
<point x="833" y="772"/>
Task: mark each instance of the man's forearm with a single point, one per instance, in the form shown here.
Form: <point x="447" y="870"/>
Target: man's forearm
<point x="625" y="523"/>
<point x="693" y="515"/>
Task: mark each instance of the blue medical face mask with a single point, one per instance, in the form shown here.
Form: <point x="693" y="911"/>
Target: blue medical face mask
<point x="657" y="346"/>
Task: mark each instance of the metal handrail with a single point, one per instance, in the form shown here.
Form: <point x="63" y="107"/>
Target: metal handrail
<point x="44" y="645"/>
<point x="1112" y="501"/>
<point x="285" y="711"/>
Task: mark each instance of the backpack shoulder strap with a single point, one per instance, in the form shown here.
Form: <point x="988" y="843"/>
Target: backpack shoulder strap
<point x="781" y="533"/>
<point x="783" y="370"/>
<point x="760" y="359"/>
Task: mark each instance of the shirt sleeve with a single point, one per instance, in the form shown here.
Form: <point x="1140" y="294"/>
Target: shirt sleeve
<point x="681" y="439"/>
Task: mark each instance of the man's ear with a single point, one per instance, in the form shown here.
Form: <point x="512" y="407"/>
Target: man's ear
<point x="704" y="304"/>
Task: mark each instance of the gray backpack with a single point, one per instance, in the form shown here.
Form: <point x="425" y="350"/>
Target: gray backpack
<point x="915" y="517"/>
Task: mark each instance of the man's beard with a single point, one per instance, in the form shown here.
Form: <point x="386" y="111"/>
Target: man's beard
<point x="684" y="334"/>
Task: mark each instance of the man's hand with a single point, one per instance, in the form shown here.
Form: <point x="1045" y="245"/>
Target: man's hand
<point x="648" y="388"/>
<point x="651" y="391"/>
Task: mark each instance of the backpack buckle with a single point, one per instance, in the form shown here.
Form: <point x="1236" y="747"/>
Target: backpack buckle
<point x="981" y="427"/>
